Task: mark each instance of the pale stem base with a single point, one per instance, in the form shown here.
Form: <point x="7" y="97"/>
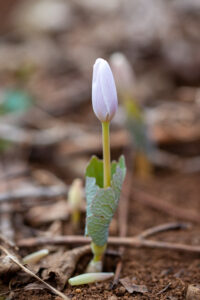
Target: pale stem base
<point x="96" y="264"/>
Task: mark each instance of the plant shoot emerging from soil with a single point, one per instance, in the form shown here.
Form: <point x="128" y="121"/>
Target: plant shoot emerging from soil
<point x="75" y="199"/>
<point x="135" y="121"/>
<point x="103" y="179"/>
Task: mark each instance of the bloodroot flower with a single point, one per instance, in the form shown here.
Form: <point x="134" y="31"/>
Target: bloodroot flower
<point x="104" y="94"/>
<point x="123" y="72"/>
<point x="103" y="187"/>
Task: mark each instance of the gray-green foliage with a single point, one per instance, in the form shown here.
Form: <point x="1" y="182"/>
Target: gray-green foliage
<point x="102" y="203"/>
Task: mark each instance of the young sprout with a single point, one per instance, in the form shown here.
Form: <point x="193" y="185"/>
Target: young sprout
<point x="135" y="121"/>
<point x="90" y="278"/>
<point x="34" y="257"/>
<point x="75" y="199"/>
<point x="103" y="179"/>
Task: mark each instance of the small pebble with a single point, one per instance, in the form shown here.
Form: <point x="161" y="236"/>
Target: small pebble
<point x="78" y="291"/>
<point x="112" y="297"/>
<point x="121" y="291"/>
<point x="193" y="292"/>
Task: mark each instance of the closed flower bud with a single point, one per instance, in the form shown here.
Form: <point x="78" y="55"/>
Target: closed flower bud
<point x="123" y="72"/>
<point x="104" y="94"/>
<point x="75" y="194"/>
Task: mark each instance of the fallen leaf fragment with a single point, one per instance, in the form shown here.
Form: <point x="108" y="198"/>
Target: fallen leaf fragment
<point x="34" y="286"/>
<point x="58" y="211"/>
<point x="27" y="271"/>
<point x="131" y="287"/>
<point x="7" y="266"/>
<point x="61" y="265"/>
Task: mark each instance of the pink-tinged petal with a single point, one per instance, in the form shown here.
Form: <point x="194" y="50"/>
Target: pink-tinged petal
<point x="104" y="94"/>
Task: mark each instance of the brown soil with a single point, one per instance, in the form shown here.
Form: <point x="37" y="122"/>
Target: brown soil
<point x="157" y="269"/>
<point x="163" y="49"/>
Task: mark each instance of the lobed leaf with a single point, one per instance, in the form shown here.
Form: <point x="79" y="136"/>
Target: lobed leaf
<point x="95" y="169"/>
<point x="102" y="203"/>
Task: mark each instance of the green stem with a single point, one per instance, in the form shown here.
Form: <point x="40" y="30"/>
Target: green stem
<point x="106" y="154"/>
<point x="95" y="264"/>
<point x="98" y="251"/>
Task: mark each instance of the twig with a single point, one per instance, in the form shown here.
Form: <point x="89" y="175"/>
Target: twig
<point x="45" y="137"/>
<point x="34" y="192"/>
<point x="26" y="206"/>
<point x="15" y="174"/>
<point x="55" y="135"/>
<point x="164" y="289"/>
<point x="161" y="228"/>
<point x="136" y="241"/>
<point x="15" y="260"/>
<point x="163" y="206"/>
<point x="116" y="241"/>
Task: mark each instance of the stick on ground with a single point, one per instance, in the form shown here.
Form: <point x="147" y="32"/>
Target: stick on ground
<point x="136" y="241"/>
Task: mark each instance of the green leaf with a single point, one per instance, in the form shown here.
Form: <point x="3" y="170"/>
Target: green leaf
<point x="113" y="168"/>
<point x="90" y="190"/>
<point x="98" y="229"/>
<point x="95" y="170"/>
<point x="122" y="165"/>
<point x="102" y="203"/>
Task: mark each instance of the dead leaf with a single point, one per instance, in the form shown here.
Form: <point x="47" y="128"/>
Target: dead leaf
<point x="131" y="287"/>
<point x="34" y="286"/>
<point x="7" y="266"/>
<point x="29" y="272"/>
<point x="58" y="211"/>
<point x="61" y="265"/>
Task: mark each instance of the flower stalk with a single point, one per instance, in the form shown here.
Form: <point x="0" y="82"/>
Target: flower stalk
<point x="106" y="154"/>
<point x="98" y="251"/>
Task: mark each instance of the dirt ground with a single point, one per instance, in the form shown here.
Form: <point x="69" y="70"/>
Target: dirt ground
<point x="48" y="137"/>
<point x="165" y="273"/>
<point x="157" y="268"/>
